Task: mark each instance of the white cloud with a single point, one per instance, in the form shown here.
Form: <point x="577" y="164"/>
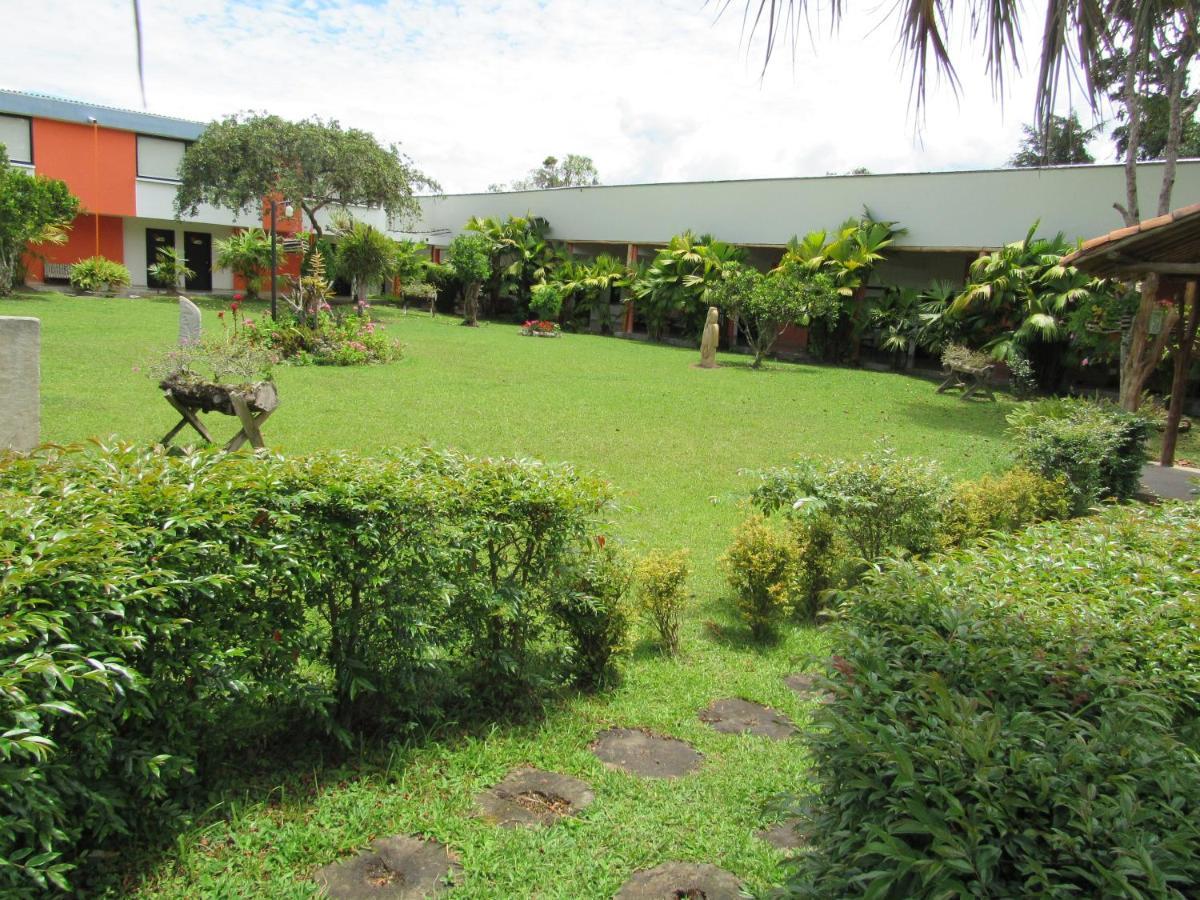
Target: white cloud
<point x="481" y="92"/>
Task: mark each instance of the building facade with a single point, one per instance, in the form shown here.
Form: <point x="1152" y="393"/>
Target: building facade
<point x="124" y="167"/>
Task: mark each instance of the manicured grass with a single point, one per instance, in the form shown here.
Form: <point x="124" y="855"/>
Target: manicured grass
<point x="673" y="439"/>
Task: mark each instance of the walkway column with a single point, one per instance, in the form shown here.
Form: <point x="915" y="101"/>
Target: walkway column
<point x="631" y="258"/>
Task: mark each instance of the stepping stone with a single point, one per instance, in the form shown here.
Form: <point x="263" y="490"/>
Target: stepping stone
<point x="806" y="685"/>
<point x="644" y="753"/>
<point x="785" y="835"/>
<point x="530" y="796"/>
<point x="395" y="868"/>
<point x="734" y="715"/>
<point x="678" y="880"/>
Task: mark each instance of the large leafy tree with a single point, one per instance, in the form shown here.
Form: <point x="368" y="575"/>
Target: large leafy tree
<point x="33" y="210"/>
<point x="314" y="164"/>
<point x="521" y="254"/>
<point x="470" y="259"/>
<point x="764" y="305"/>
<point x="1062" y="143"/>
<point x="574" y="170"/>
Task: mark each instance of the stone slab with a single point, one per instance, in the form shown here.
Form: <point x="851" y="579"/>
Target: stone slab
<point x="189" y="322"/>
<point x="733" y="715"/>
<point x="20" y="383"/>
<point x="678" y="880"/>
<point x="529" y="796"/>
<point x="394" y="868"/>
<point x="785" y="835"/>
<point x="808" y="686"/>
<point x="643" y="753"/>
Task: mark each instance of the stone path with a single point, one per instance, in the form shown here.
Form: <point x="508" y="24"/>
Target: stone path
<point x="734" y="715"/>
<point x="644" y="753"/>
<point x="530" y="796"/>
<point x="785" y="835"/>
<point x="395" y="868"/>
<point x="408" y="868"/>
<point x="807" y="686"/>
<point x="1175" y="483"/>
<point x="678" y="880"/>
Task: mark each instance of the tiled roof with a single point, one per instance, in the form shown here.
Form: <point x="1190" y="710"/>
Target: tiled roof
<point x="1170" y="239"/>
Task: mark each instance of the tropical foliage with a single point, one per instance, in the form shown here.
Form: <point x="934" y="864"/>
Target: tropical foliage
<point x="170" y="269"/>
<point x="364" y="255"/>
<point x="99" y="274"/>
<point x="248" y="255"/>
<point x="674" y="287"/>
<point x="520" y="254"/>
<point x="33" y="210"/>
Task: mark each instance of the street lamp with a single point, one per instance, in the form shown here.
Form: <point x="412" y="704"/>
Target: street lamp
<point x="289" y="211"/>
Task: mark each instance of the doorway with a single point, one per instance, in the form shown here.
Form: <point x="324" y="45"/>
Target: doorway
<point x="157" y="238"/>
<point x="197" y="253"/>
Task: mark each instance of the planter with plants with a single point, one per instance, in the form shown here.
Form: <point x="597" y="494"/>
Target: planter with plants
<point x="545" y="302"/>
<point x="97" y="274"/>
<point x="540" y="328"/>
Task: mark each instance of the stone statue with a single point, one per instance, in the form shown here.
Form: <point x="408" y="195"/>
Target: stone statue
<point x="709" y="340"/>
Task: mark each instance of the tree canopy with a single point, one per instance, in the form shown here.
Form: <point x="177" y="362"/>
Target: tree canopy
<point x="33" y="209"/>
<point x="1064" y="142"/>
<point x="314" y="164"/>
<point x="573" y="171"/>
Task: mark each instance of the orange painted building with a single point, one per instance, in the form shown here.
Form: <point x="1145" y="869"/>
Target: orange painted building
<point x="123" y="166"/>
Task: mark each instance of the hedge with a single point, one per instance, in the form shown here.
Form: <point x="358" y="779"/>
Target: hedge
<point x="159" y="610"/>
<point x="1017" y="719"/>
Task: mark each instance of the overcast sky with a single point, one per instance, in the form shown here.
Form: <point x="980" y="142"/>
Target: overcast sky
<point x="478" y="93"/>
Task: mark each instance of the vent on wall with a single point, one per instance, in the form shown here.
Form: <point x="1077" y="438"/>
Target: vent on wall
<point x="57" y="271"/>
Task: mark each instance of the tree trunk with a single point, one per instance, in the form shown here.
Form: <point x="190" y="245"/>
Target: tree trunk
<point x="471" y="304"/>
<point x="1175" y="85"/>
<point x="1186" y="326"/>
<point x="1145" y="350"/>
<point x="1133" y="114"/>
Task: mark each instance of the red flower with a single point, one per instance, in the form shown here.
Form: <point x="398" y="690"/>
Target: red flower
<point x="600" y="540"/>
<point x="237" y="297"/>
<point x="235" y="305"/>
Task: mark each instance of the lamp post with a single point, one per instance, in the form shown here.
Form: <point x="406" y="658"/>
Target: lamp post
<point x="289" y="211"/>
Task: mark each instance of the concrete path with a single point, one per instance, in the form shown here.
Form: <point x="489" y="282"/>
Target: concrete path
<point x="1170" y="484"/>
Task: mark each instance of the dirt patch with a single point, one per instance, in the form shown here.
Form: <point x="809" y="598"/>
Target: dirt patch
<point x="809" y="687"/>
<point x="734" y="715"/>
<point x="681" y="881"/>
<point x="395" y="868"/>
<point x="645" y="753"/>
<point x="529" y="796"/>
<point x="786" y="835"/>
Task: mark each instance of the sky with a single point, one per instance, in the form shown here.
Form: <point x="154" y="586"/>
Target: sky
<point x="480" y="92"/>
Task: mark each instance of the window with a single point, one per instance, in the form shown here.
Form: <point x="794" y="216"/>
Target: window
<point x="159" y="157"/>
<point x="16" y="138"/>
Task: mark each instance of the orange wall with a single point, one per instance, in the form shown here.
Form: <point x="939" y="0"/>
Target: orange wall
<point x="81" y="243"/>
<point x="100" y="168"/>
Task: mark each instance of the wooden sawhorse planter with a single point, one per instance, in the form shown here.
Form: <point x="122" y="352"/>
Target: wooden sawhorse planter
<point x="971" y="380"/>
<point x="251" y="404"/>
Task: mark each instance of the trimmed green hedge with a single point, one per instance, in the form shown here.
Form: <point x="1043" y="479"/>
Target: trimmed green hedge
<point x="1018" y="719"/>
<point x="159" y="610"/>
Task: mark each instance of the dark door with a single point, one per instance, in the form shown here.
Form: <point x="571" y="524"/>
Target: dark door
<point x="155" y="238"/>
<point x="197" y="253"/>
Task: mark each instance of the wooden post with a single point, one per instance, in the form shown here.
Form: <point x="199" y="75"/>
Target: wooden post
<point x="1185" y="330"/>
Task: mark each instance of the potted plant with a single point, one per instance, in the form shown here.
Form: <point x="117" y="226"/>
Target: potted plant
<point x="98" y="274"/>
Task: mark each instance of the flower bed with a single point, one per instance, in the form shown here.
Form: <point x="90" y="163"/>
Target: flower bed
<point x="540" y="328"/>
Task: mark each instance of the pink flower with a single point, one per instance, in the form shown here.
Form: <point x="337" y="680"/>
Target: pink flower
<point x="237" y="298"/>
<point x="1084" y="361"/>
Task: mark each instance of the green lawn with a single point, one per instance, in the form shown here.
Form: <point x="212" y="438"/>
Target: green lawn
<point x="672" y="438"/>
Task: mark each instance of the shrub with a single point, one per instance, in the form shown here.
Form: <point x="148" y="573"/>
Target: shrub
<point x="882" y="504"/>
<point x="594" y="608"/>
<point x="1018" y="719"/>
<point x="1007" y="502"/>
<point x="324" y="339"/>
<point x="762" y="567"/>
<point x="96" y="273"/>
<point x="161" y="611"/>
<point x="1099" y="448"/>
<point x="248" y="254"/>
<point x="170" y="269"/>
<point x="824" y="563"/>
<point x="546" y="300"/>
<point x="661" y="578"/>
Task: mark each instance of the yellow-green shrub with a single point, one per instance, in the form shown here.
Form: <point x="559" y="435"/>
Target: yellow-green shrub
<point x="661" y="578"/>
<point x="761" y="565"/>
<point x="825" y="562"/>
<point x="1007" y="502"/>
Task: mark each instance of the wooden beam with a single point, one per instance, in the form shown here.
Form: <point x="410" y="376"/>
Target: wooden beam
<point x="1157" y="268"/>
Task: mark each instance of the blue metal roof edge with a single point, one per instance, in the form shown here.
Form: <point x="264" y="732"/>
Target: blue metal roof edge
<point x="44" y="107"/>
